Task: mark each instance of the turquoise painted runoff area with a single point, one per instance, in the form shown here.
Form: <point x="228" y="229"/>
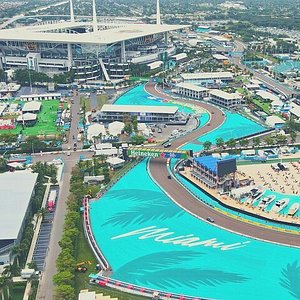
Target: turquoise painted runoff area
<point x="242" y="269"/>
<point x="138" y="96"/>
<point x="235" y="126"/>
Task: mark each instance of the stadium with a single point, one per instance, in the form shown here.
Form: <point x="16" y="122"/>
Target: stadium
<point x="101" y="49"/>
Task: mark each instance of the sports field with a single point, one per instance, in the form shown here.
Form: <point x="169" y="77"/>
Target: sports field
<point x="45" y="124"/>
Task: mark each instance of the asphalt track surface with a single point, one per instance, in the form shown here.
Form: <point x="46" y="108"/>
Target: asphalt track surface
<point x="178" y="194"/>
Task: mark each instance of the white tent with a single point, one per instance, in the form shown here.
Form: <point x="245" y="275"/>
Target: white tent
<point x="95" y="130"/>
<point x="115" y="128"/>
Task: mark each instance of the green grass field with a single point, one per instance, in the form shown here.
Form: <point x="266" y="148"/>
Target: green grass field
<point x="265" y="106"/>
<point x="45" y="124"/>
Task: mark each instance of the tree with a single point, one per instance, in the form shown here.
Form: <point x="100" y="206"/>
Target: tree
<point x="207" y="145"/>
<point x="281" y="139"/>
<point x="128" y="128"/>
<point x="65" y="292"/>
<point x="244" y="143"/>
<point x="231" y="143"/>
<point x="256" y="141"/>
<point x="220" y="142"/>
<point x="293" y="136"/>
<point x="135" y="123"/>
<point x="63" y="278"/>
<point x="138" y="139"/>
<point x="269" y="140"/>
<point x="291" y="125"/>
<point x="3" y="284"/>
<point x="2" y="76"/>
<point x="3" y="165"/>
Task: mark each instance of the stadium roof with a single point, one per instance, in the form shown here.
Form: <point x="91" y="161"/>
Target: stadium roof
<point x="56" y="33"/>
<point x="139" y="109"/>
<point x="15" y="193"/>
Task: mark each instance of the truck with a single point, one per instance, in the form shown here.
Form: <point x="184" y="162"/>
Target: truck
<point x="79" y="137"/>
<point x="51" y="200"/>
<point x="27" y="273"/>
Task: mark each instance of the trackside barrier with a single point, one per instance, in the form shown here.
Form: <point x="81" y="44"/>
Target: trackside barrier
<point x="139" y="290"/>
<point x="88" y="233"/>
<point x="88" y="229"/>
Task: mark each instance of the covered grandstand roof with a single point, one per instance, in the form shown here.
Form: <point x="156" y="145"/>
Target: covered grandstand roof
<point x="211" y="163"/>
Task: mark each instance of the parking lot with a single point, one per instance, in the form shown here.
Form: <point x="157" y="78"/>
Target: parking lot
<point x="42" y="243"/>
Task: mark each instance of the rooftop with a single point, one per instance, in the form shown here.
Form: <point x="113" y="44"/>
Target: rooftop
<point x="15" y="192"/>
<point x="114" y="32"/>
<point x="31" y="106"/>
<point x="225" y="95"/>
<point x="191" y="86"/>
<point x="267" y="95"/>
<point x="205" y="76"/>
<point x="139" y="109"/>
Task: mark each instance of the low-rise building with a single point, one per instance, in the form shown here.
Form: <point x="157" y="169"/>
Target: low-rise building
<point x="180" y="57"/>
<point x="155" y="65"/>
<point x="275" y="121"/>
<point x="191" y="90"/>
<point x="208" y="77"/>
<point x="227" y="100"/>
<point x="16" y="192"/>
<point x="216" y="173"/>
<point x="41" y="97"/>
<point x="28" y="119"/>
<point x="295" y="111"/>
<point x="144" y="114"/>
<point x="31" y="107"/>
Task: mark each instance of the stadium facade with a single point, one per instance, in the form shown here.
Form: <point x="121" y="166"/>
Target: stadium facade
<point x="97" y="50"/>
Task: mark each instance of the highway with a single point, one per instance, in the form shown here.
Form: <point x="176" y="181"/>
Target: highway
<point x="178" y="194"/>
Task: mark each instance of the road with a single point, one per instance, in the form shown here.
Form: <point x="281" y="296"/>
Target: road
<point x="268" y="81"/>
<point x="159" y="171"/>
<point x="21" y="16"/>
<point x="46" y="286"/>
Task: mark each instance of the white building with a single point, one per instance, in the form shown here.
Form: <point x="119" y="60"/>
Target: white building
<point x="295" y="111"/>
<point x="274" y="121"/>
<point x="95" y="130"/>
<point x="179" y="57"/>
<point x="31" y="107"/>
<point x="41" y="97"/>
<point x="227" y="100"/>
<point x="16" y="192"/>
<point x="155" y="65"/>
<point x="267" y="96"/>
<point x="207" y="77"/>
<point x="191" y="90"/>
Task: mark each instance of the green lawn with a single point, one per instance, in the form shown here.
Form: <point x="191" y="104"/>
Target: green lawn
<point x="45" y="123"/>
<point x="265" y="106"/>
<point x="101" y="100"/>
<point x="86" y="101"/>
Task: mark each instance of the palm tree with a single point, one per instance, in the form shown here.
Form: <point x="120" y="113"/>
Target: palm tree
<point x="231" y="143"/>
<point x="256" y="141"/>
<point x="244" y="143"/>
<point x="220" y="142"/>
<point x="207" y="145"/>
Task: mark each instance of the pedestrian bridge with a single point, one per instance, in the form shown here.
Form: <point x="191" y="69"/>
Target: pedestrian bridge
<point x="157" y="153"/>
